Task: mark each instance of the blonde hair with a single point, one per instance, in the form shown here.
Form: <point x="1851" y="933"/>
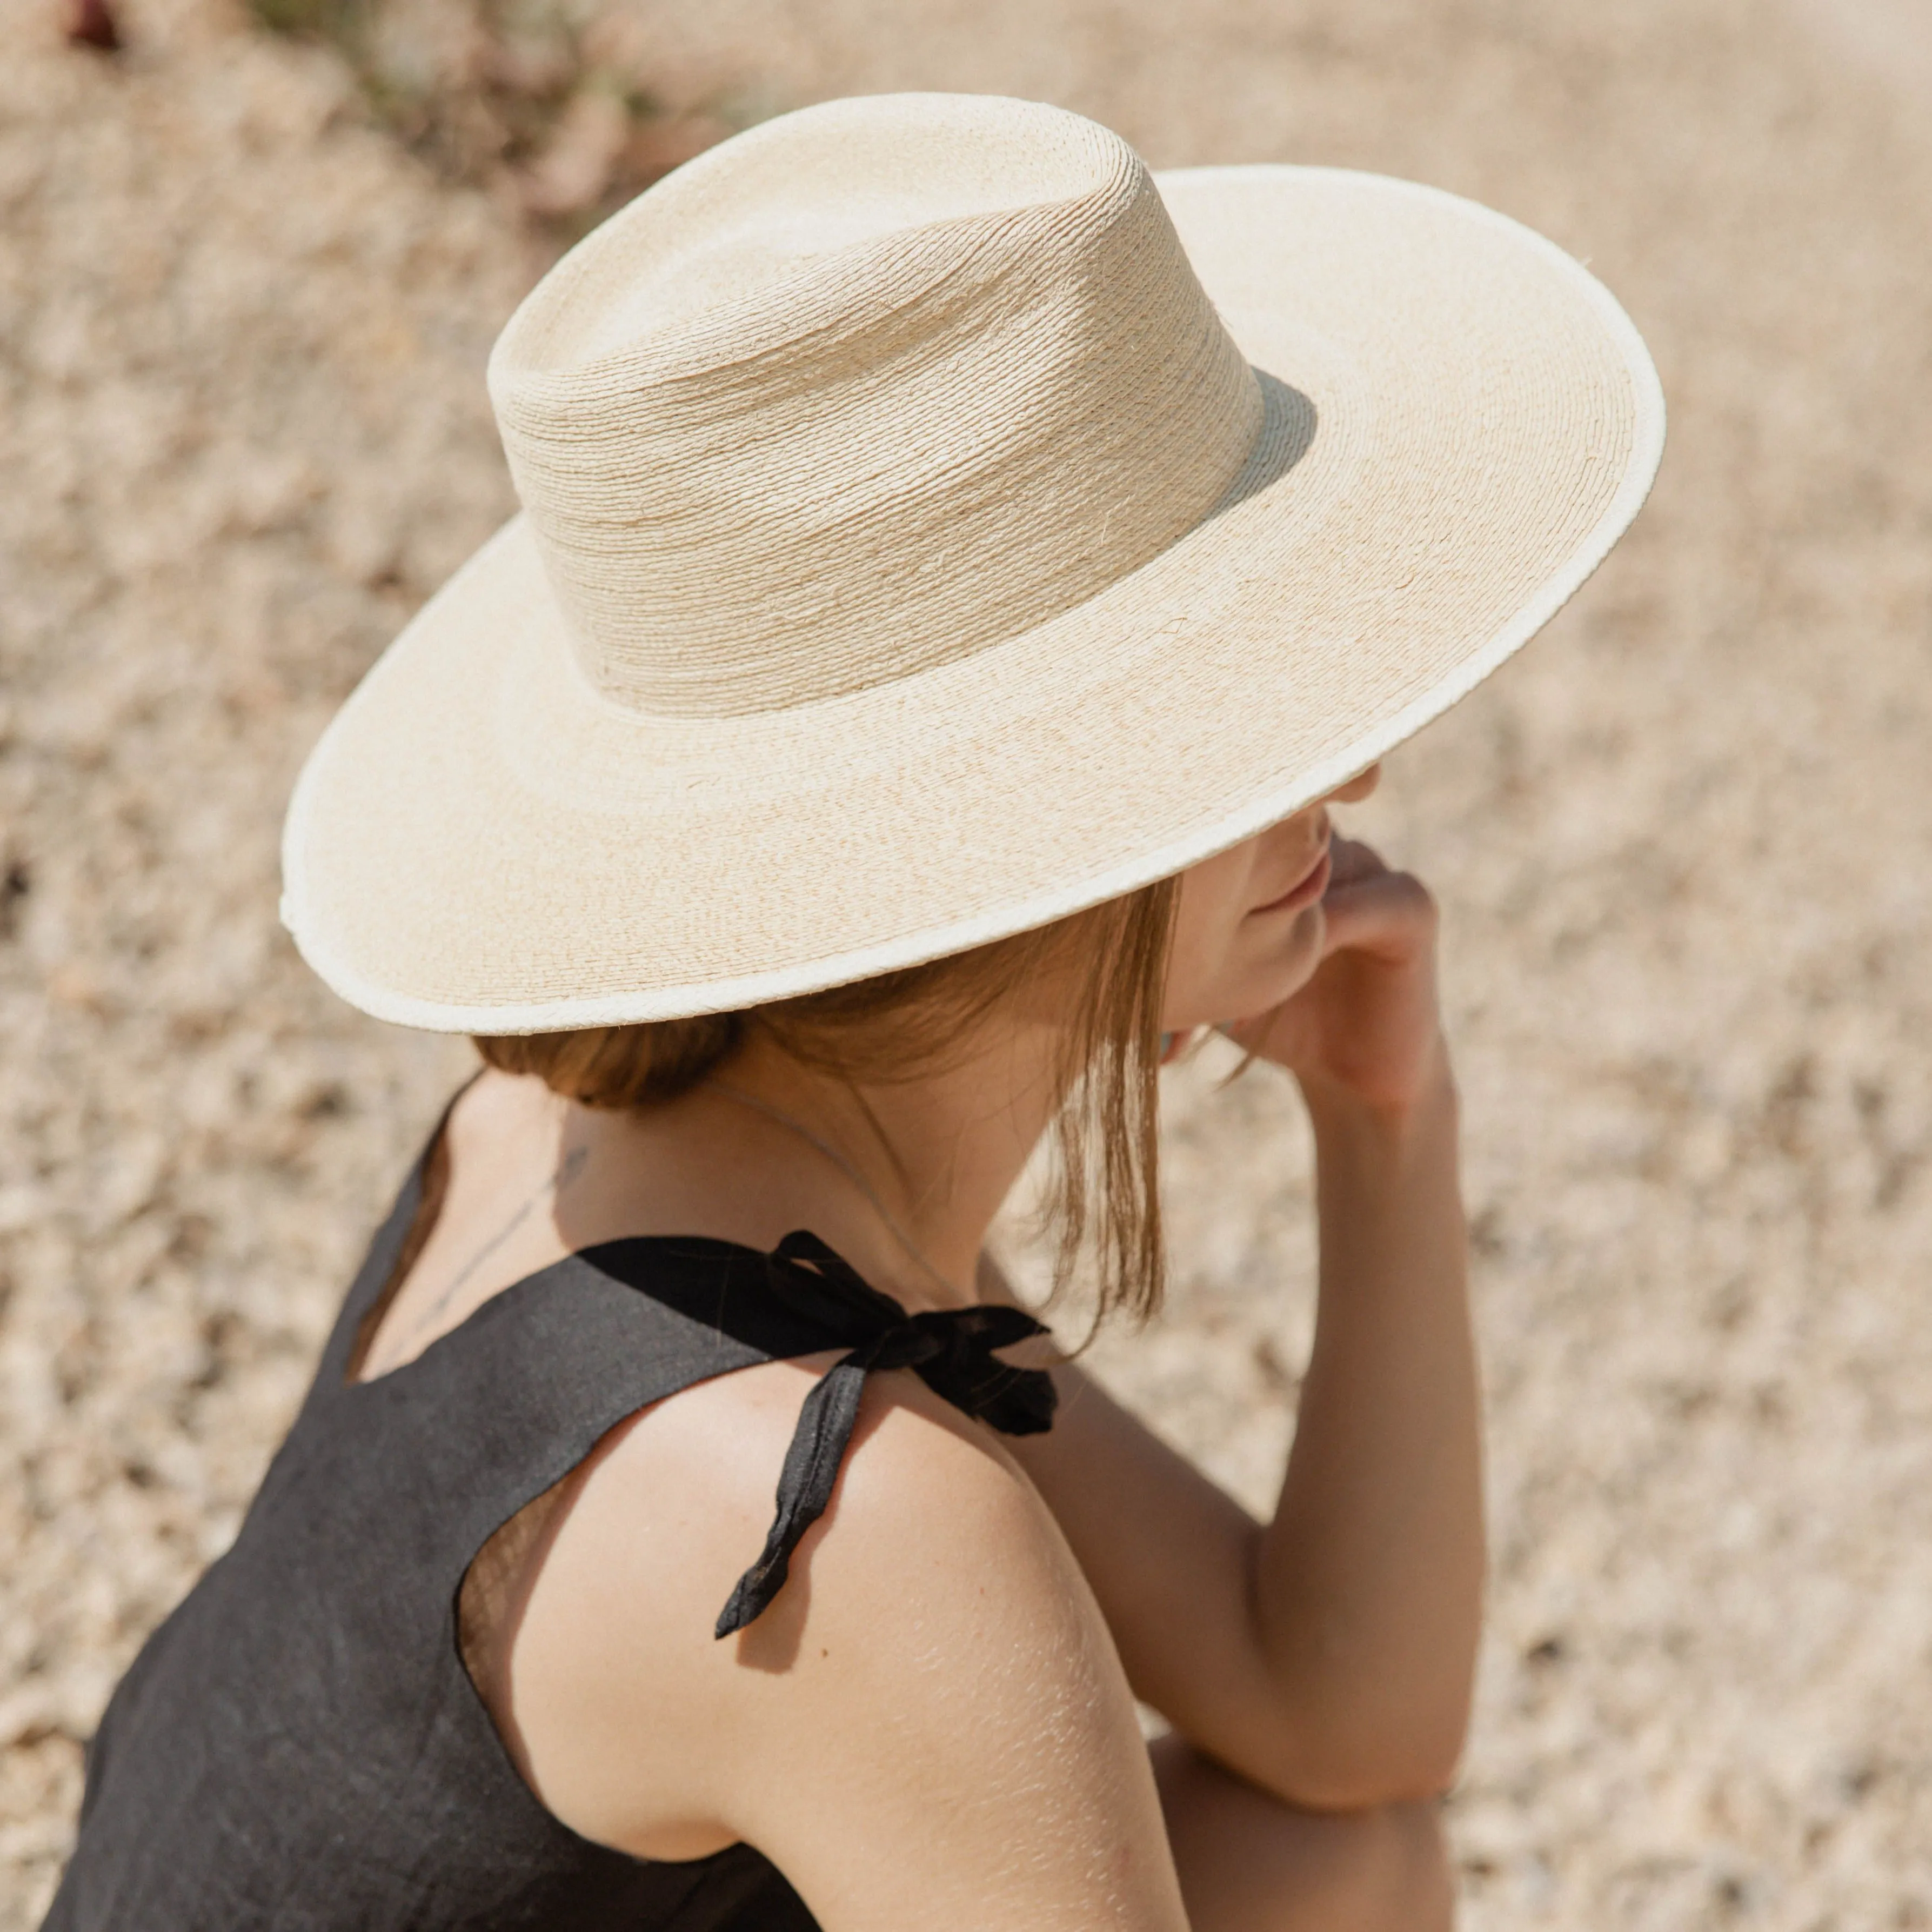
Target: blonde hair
<point x="1111" y="959"/>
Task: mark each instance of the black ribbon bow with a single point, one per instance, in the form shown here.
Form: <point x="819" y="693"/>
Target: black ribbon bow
<point x="951" y="1350"/>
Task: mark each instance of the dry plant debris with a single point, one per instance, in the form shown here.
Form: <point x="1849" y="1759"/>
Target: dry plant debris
<point x="549" y="101"/>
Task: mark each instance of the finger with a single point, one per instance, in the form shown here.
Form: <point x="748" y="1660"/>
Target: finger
<point x="1350" y="860"/>
<point x="1389" y="914"/>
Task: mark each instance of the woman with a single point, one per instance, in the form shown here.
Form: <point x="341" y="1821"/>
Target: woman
<point x="956" y="579"/>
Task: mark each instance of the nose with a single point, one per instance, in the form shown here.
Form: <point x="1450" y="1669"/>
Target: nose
<point x="1357" y="787"/>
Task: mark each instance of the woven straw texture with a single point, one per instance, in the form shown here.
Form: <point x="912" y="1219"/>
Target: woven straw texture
<point x="932" y="527"/>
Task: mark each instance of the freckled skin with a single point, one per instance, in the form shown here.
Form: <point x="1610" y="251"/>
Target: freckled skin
<point x="934" y="1724"/>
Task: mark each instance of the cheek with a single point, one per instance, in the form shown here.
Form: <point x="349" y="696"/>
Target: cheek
<point x="1207" y="922"/>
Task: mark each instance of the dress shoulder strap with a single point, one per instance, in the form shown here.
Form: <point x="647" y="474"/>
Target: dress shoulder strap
<point x="802" y="1289"/>
<point x="386" y="1255"/>
<point x="546" y="1366"/>
<point x="380" y="1263"/>
<point x="607" y="1331"/>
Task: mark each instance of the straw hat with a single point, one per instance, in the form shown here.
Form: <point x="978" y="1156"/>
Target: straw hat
<point x="934" y="523"/>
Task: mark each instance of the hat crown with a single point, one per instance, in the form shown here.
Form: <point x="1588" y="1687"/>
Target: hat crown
<point x="864" y="391"/>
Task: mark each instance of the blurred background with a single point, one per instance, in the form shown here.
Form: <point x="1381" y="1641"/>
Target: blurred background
<point x="251" y="261"/>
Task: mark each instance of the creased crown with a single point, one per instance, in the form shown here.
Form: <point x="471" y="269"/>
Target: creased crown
<point x="869" y="388"/>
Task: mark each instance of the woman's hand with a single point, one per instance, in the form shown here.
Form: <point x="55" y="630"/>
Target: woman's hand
<point x="1366" y="1024"/>
<point x="1327" y="1656"/>
<point x="1370" y="1577"/>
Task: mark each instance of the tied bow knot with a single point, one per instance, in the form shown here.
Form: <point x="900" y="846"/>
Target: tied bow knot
<point x="951" y="1350"/>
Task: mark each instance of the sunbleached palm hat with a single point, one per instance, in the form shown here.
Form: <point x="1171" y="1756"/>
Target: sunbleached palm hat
<point x="933" y="524"/>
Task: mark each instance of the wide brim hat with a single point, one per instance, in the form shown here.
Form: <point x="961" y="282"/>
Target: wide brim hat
<point x="935" y="524"/>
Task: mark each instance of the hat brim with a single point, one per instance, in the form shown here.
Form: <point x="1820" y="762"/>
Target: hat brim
<point x="1462" y="422"/>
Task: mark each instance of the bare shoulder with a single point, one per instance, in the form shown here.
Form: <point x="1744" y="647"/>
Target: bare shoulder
<point x="930" y="1518"/>
<point x="934" y="1678"/>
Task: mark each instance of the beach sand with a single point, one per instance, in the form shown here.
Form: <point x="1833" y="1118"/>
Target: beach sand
<point x="1683" y="847"/>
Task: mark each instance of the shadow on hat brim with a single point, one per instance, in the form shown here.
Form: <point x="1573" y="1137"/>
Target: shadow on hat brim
<point x="1461" y="422"/>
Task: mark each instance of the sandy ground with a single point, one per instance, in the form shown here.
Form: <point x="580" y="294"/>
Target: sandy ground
<point x="1684" y="846"/>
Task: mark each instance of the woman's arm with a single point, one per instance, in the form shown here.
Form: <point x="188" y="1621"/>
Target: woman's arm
<point x="1368" y="1582"/>
<point x="928" y="1729"/>
<point x="1328" y="1654"/>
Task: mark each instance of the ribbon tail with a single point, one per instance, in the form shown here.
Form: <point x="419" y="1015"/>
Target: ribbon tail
<point x="825" y="1424"/>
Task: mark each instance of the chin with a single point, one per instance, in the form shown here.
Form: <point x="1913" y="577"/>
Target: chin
<point x="1288" y="967"/>
<point x="1300" y="952"/>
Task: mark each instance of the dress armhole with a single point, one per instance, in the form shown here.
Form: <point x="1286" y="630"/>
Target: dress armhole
<point x="485" y="1597"/>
